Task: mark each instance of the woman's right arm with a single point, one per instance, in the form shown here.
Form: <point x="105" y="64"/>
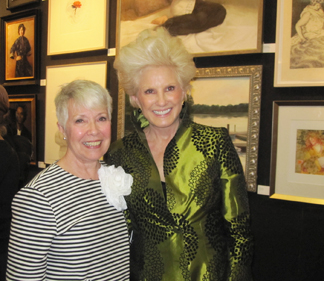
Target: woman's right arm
<point x="13" y="50"/>
<point x="33" y="227"/>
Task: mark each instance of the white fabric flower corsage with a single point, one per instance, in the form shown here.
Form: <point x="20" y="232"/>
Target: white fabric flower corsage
<point x="115" y="184"/>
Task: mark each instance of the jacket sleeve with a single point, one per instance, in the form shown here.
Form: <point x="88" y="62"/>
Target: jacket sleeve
<point x="236" y="211"/>
<point x="33" y="228"/>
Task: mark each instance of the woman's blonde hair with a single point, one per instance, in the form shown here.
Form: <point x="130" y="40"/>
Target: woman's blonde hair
<point x="83" y="93"/>
<point x="153" y="48"/>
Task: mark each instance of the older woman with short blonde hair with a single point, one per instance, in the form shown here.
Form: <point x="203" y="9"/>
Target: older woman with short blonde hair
<point x="68" y="222"/>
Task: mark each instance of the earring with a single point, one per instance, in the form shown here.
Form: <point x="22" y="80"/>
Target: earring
<point x="139" y="111"/>
<point x="64" y="137"/>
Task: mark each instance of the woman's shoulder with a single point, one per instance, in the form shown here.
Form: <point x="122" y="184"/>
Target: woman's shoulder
<point x="47" y="177"/>
<point x="209" y="130"/>
<point x="126" y="142"/>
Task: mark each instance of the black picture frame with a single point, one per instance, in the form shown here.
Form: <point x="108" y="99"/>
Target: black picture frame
<point x="29" y="61"/>
<point x="28" y="103"/>
<point x="12" y="4"/>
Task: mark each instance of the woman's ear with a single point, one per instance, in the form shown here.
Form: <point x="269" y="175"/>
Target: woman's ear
<point x="184" y="95"/>
<point x="134" y="100"/>
<point x="61" y="129"/>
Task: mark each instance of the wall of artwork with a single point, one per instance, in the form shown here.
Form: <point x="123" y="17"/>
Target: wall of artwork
<point x="288" y="233"/>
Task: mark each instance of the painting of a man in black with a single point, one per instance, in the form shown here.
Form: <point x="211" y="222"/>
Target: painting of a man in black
<point x="19" y="126"/>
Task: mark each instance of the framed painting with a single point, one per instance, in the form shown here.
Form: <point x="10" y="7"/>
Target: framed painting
<point x="56" y="77"/>
<point x="77" y="26"/>
<point x="299" y="44"/>
<point x="20" y="48"/>
<point x="297" y="157"/>
<point x="231" y="26"/>
<point x="11" y="4"/>
<point x="213" y="91"/>
<point x="23" y="116"/>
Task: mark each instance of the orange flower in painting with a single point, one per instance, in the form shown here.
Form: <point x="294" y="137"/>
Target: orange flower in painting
<point x="75" y="5"/>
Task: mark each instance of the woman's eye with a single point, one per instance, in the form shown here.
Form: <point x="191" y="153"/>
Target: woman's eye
<point x="149" y="91"/>
<point x="79" y="121"/>
<point x="170" y="88"/>
<point x="102" y="118"/>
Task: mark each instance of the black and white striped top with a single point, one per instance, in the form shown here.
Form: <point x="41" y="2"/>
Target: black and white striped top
<point x="63" y="228"/>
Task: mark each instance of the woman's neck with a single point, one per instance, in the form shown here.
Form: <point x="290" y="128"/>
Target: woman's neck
<point x="84" y="170"/>
<point x="158" y="134"/>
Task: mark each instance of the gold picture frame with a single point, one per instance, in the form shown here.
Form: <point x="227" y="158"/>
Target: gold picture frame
<point x="21" y="64"/>
<point x="297" y="149"/>
<point x="239" y="33"/>
<point x="238" y="82"/>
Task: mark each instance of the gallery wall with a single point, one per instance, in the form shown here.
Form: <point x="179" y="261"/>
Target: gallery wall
<point x="289" y="242"/>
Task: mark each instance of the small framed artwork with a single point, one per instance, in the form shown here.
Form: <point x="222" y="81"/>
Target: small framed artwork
<point x="299" y="44"/>
<point x="228" y="27"/>
<point x="222" y="97"/>
<point x="11" y="4"/>
<point x="23" y="116"/>
<point x="297" y="158"/>
<point x="77" y="26"/>
<point x="20" y="45"/>
<point x="56" y="77"/>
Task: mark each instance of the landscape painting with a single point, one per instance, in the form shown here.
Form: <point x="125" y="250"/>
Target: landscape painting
<point x="224" y="102"/>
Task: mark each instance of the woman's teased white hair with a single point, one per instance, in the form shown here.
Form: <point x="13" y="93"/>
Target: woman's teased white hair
<point x="153" y="47"/>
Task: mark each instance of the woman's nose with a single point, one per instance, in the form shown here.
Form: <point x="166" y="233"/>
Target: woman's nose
<point x="93" y="127"/>
<point x="161" y="99"/>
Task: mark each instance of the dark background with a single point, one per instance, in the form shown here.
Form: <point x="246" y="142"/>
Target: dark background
<point x="289" y="236"/>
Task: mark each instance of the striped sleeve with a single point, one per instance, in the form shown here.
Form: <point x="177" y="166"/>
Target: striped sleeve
<point x="32" y="230"/>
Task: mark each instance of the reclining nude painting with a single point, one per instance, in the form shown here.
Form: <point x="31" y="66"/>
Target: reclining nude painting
<point x="207" y="27"/>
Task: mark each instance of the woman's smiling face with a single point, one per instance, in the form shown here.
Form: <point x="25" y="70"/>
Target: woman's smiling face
<point x="160" y="96"/>
<point x="88" y="133"/>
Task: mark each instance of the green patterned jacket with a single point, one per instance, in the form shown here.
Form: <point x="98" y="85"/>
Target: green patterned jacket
<point x="200" y="230"/>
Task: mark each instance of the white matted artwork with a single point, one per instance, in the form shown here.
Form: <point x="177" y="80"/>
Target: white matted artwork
<point x="77" y="26"/>
<point x="299" y="57"/>
<point x="297" y="162"/>
<point x="56" y="76"/>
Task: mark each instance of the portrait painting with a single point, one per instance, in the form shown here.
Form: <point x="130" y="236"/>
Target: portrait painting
<point x="23" y="120"/>
<point x="228" y="26"/>
<point x="20" y="48"/>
